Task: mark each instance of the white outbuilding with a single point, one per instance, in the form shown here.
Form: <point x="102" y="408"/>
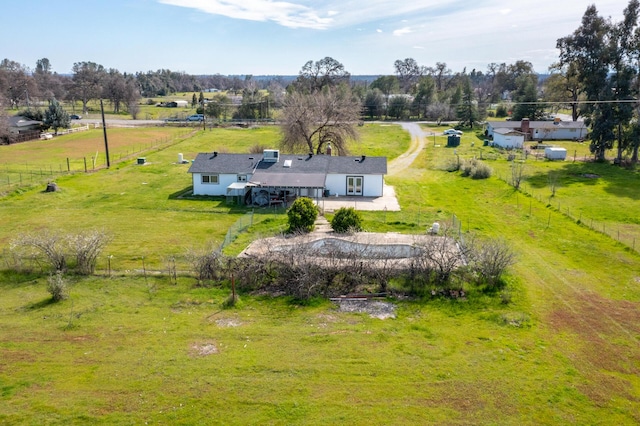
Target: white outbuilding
<point x="555" y="153"/>
<point x="508" y="138"/>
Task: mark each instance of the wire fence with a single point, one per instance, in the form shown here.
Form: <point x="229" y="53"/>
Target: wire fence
<point x="14" y="176"/>
<point x="236" y="229"/>
<point x="626" y="235"/>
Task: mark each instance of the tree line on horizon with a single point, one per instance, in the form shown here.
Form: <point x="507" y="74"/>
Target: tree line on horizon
<point x="595" y="77"/>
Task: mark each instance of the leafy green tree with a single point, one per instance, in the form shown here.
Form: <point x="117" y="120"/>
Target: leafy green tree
<point x="194" y="101"/>
<point x="604" y="55"/>
<point x="374" y="103"/>
<point x="398" y="107"/>
<point x="424" y="96"/>
<point x="347" y="219"/>
<point x="563" y="86"/>
<point x="218" y="106"/>
<point x="56" y="117"/>
<point x="302" y="215"/>
<point x="526" y="98"/>
<point x="316" y="76"/>
<point x="388" y="85"/>
<point x="467" y="110"/>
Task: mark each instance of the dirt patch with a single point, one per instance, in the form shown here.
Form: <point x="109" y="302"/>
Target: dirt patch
<point x="606" y="333"/>
<point x="203" y="349"/>
<point x="228" y="322"/>
<point x="375" y="308"/>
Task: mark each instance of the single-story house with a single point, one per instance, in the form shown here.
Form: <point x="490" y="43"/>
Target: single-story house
<point x="177" y="104"/>
<point x="542" y="130"/>
<point x="508" y="138"/>
<point x="19" y="124"/>
<point x="268" y="178"/>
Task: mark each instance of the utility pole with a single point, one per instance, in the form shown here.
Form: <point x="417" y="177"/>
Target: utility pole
<point x="104" y="129"/>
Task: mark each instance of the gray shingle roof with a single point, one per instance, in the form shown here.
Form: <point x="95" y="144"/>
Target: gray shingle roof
<point x="537" y="124"/>
<point x="324" y="164"/>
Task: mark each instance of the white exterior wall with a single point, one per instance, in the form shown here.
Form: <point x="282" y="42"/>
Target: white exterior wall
<point x="508" y="141"/>
<point x="560" y="133"/>
<point x="224" y="180"/>
<point x="371" y="184"/>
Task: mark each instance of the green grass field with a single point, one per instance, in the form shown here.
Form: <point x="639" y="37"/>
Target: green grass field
<point x="134" y="349"/>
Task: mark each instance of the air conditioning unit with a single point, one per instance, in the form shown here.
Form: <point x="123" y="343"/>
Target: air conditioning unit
<point x="270" y="155"/>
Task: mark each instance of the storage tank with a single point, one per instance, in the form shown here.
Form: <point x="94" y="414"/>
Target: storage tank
<point x="180" y="158"/>
<point x="555" y="153"/>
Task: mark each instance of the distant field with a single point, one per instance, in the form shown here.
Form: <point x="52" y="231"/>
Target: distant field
<point x="559" y="345"/>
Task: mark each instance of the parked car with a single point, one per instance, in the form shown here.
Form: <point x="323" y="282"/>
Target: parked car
<point x="453" y="132"/>
<point x="75" y="117"/>
<point x="195" y="117"/>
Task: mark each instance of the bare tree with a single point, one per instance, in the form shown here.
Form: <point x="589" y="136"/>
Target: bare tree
<point x="86" y="247"/>
<point x="87" y="82"/>
<point x="490" y="259"/>
<point x="517" y="173"/>
<point x="408" y="72"/>
<point x="311" y="121"/>
<point x="52" y="246"/>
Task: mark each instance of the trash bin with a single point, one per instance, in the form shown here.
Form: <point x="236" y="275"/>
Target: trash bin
<point x="486" y="142"/>
<point x="326" y="193"/>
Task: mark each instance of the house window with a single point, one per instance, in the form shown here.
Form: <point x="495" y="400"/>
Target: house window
<point x="242" y="178"/>
<point x="210" y="179"/>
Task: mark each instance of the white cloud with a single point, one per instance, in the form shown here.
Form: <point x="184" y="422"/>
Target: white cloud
<point x="402" y="31"/>
<point x="378" y="30"/>
<point x="281" y="12"/>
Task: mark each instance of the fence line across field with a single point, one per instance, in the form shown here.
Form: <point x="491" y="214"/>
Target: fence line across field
<point x="18" y="176"/>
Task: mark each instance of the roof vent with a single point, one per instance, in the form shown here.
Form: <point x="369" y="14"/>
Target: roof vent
<point x="363" y="157"/>
<point x="287" y="163"/>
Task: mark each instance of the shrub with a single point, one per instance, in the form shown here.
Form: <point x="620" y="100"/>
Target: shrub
<point x="86" y="247"/>
<point x="51" y="246"/>
<point x="476" y="169"/>
<point x="347" y="219"/>
<point x="57" y="286"/>
<point x="302" y="215"/>
<point x="501" y="111"/>
<point x="490" y="259"/>
<point x="207" y="265"/>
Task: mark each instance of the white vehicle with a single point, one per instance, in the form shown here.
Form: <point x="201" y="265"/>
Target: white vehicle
<point x="196" y="117"/>
<point x="453" y="132"/>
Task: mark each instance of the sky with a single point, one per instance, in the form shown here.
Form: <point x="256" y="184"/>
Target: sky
<point x="277" y="37"/>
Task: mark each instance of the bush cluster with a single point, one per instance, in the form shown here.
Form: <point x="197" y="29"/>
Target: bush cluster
<point x="346" y="219"/>
<point x="56" y="249"/>
<point x="475" y="169"/>
<point x="302" y="215"/>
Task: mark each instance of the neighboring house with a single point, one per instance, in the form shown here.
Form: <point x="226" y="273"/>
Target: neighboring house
<point x="20" y="125"/>
<point x="177" y="104"/>
<point x="268" y="178"/>
<point x="508" y="138"/>
<point x="22" y="129"/>
<point x="542" y="130"/>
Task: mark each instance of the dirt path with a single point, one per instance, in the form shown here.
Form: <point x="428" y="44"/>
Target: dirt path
<point x="418" y="142"/>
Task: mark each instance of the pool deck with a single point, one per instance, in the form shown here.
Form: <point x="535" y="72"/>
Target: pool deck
<point x="388" y="202"/>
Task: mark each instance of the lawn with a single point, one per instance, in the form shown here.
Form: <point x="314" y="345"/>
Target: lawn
<point x="134" y="349"/>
